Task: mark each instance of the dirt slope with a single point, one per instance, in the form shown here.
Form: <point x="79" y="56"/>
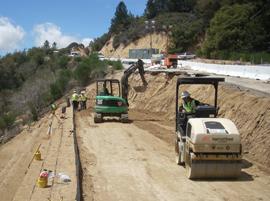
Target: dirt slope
<point x="125" y="162"/>
<point x="158" y="41"/>
<point x="18" y="181"/>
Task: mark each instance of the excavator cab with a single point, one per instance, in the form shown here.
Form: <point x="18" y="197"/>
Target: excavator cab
<point x="208" y="146"/>
<point x="109" y="102"/>
<point x="108" y="87"/>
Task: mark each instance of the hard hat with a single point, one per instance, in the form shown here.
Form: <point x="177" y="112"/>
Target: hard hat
<point x="74" y="91"/>
<point x="82" y="92"/>
<point x="185" y="94"/>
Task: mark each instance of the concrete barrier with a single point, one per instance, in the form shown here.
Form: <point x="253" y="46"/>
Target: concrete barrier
<point x="247" y="71"/>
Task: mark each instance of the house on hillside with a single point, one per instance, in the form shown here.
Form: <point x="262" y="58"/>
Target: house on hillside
<point x="74" y="53"/>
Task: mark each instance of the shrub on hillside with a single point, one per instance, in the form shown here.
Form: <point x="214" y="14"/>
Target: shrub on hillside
<point x="252" y="57"/>
<point x="98" y="43"/>
<point x="34" y="111"/>
<point x="232" y="29"/>
<point x="117" y="65"/>
<point x="63" y="61"/>
<point x="88" y="67"/>
<point x="55" y="91"/>
<point x="63" y="79"/>
<point x="58" y="88"/>
<point x="82" y="73"/>
<point x="7" y="120"/>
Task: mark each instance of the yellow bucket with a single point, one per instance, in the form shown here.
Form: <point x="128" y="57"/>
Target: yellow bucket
<point x="42" y="182"/>
<point x="38" y="156"/>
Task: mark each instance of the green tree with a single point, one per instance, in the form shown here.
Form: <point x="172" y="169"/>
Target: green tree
<point x="121" y="19"/>
<point x="185" y="35"/>
<point x="54" y="46"/>
<point x="232" y="29"/>
<point x="206" y="9"/>
<point x="150" y="10"/>
<point x="46" y="44"/>
<point x="180" y="5"/>
<point x="161" y="6"/>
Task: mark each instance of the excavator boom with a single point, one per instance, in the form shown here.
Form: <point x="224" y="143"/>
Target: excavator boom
<point x="127" y="73"/>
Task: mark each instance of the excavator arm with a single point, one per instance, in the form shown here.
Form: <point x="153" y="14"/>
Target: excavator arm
<point x="127" y="73"/>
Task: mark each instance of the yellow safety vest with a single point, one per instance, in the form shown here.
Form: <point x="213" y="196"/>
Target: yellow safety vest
<point x="53" y="106"/>
<point x="83" y="98"/>
<point x="75" y="97"/>
<point x="190" y="106"/>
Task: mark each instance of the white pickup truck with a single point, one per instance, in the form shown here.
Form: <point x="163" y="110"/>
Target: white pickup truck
<point x="186" y="55"/>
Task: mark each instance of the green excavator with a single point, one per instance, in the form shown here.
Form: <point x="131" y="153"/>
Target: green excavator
<point x="112" y="99"/>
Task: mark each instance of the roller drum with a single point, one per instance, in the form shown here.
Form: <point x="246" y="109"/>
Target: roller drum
<point x="213" y="169"/>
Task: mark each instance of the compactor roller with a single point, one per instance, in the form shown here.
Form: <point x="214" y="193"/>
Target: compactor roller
<point x="209" y="147"/>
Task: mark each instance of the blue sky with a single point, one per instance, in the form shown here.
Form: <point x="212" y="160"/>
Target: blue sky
<point x="25" y="23"/>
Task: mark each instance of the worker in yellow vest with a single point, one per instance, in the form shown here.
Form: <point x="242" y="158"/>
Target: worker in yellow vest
<point x="82" y="100"/>
<point x="75" y="100"/>
<point x="53" y="108"/>
<point x="189" y="104"/>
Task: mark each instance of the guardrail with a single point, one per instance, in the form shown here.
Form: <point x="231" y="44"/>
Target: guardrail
<point x="247" y="71"/>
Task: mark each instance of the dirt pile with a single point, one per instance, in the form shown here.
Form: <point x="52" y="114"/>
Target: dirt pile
<point x="250" y="112"/>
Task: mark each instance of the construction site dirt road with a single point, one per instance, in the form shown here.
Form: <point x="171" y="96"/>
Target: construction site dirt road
<point x="136" y="161"/>
<point x="126" y="162"/>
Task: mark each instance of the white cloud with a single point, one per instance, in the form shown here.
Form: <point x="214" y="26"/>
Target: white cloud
<point x="53" y="33"/>
<point x="86" y="41"/>
<point x="11" y="35"/>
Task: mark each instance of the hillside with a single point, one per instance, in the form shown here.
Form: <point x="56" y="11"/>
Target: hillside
<point x="228" y="30"/>
<point x="159" y="42"/>
<point x="32" y="80"/>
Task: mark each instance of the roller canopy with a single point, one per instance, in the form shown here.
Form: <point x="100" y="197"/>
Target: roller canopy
<point x="200" y="80"/>
<point x="108" y="80"/>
